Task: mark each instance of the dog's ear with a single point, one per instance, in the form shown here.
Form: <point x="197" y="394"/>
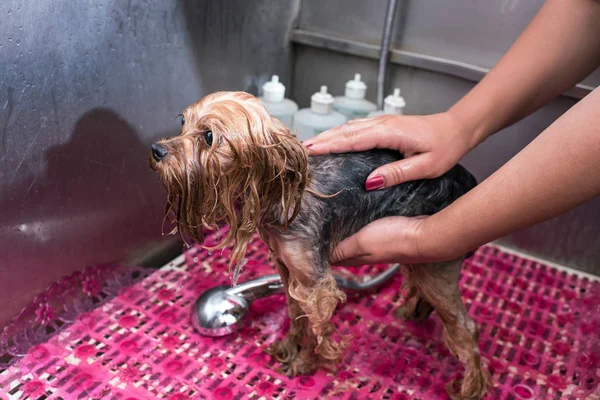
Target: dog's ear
<point x="272" y="170"/>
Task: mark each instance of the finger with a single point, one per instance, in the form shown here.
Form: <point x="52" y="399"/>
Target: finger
<point x="353" y="140"/>
<point x="348" y="249"/>
<point x="343" y="129"/>
<point x="406" y="170"/>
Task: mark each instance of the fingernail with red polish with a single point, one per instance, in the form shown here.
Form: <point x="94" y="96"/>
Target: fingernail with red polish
<point x="309" y="145"/>
<point x="374" y="183"/>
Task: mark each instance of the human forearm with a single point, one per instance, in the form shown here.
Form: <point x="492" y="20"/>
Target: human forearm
<point x="560" y="47"/>
<point x="556" y="172"/>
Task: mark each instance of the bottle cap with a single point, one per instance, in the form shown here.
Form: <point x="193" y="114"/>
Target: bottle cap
<point x="356" y="89"/>
<point x="394" y="104"/>
<point x="273" y="91"/>
<point x="321" y="102"/>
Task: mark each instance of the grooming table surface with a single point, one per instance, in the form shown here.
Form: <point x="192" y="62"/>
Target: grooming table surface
<point x="539" y="338"/>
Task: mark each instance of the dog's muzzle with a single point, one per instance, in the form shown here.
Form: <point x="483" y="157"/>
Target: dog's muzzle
<point x="158" y="151"/>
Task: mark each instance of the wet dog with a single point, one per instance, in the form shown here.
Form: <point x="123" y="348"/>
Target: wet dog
<point x="235" y="165"/>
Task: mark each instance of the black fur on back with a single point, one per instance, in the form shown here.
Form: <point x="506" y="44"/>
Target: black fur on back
<point x="324" y="222"/>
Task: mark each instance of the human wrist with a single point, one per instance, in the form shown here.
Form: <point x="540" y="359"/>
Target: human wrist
<point x="435" y="241"/>
<point x="472" y="123"/>
<point x="426" y="243"/>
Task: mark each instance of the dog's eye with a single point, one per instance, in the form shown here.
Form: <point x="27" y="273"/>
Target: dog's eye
<point x="208" y="138"/>
<point x="182" y="118"/>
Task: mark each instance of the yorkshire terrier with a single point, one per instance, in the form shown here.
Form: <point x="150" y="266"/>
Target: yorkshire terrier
<point x="236" y="165"/>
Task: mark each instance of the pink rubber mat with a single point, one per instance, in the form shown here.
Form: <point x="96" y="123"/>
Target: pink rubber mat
<point x="539" y="338"/>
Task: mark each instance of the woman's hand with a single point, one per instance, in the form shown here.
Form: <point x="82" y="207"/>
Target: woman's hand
<point x="391" y="240"/>
<point x="431" y="145"/>
<point x="385" y="240"/>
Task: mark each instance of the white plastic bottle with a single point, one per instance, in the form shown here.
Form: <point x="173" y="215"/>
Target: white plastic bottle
<point x="277" y="105"/>
<point x="393" y="104"/>
<point x="353" y="104"/>
<point x="309" y="122"/>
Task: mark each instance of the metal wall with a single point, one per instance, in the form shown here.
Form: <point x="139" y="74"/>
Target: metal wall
<point x="437" y="45"/>
<point x="85" y="87"/>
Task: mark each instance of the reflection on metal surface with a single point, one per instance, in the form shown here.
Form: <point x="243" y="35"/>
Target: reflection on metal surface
<point x="84" y="89"/>
<point x="406" y="58"/>
<point x="38" y="232"/>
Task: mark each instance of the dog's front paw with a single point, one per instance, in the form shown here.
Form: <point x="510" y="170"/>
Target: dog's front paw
<point x="298" y="366"/>
<point x="284" y="350"/>
<point x="473" y="386"/>
<point x="296" y="360"/>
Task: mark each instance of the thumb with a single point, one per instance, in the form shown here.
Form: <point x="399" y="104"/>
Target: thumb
<point x="347" y="250"/>
<point x="406" y="170"/>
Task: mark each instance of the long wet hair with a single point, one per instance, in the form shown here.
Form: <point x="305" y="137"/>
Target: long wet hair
<point x="233" y="165"/>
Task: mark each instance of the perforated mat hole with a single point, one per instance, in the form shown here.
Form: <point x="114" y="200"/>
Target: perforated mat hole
<point x="241" y="376"/>
<point x="376" y="386"/>
<point x="15" y="389"/>
<point x="362" y="383"/>
<point x="562" y="370"/>
<point x="229" y="371"/>
<point x="253" y="381"/>
<point x="590" y="383"/>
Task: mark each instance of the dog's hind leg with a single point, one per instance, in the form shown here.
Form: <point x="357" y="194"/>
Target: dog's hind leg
<point x="415" y="307"/>
<point x="438" y="284"/>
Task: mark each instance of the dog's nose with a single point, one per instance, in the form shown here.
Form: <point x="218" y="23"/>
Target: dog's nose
<point x="158" y="151"/>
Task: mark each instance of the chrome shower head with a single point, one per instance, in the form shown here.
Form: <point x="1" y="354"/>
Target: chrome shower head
<point x="222" y="310"/>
